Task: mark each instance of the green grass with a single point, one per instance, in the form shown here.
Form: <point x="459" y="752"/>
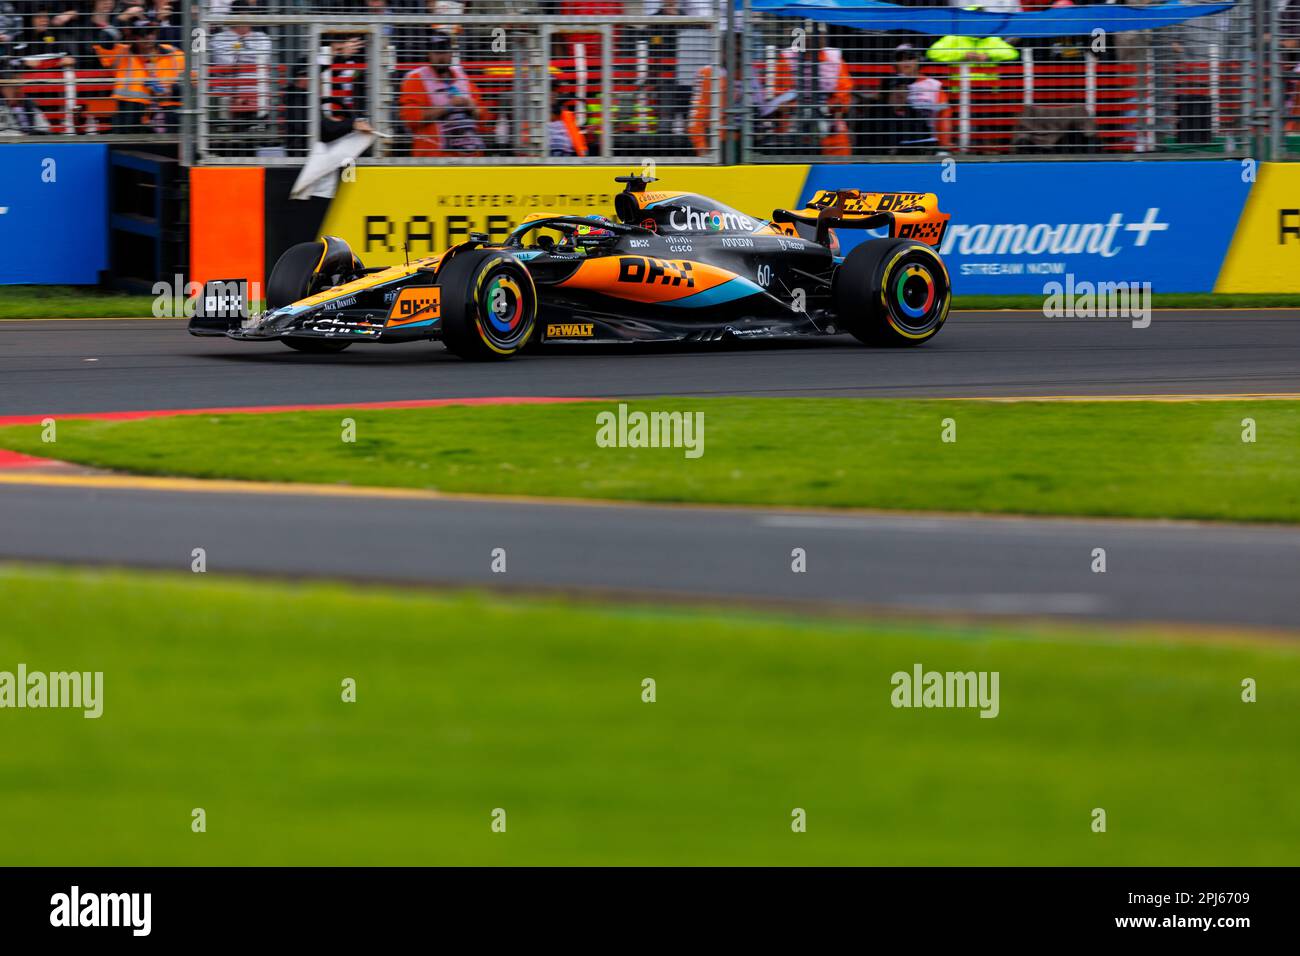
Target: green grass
<point x="226" y="695"/>
<point x="71" y="302"/>
<point x="76" y="302"/>
<point x="1138" y="459"/>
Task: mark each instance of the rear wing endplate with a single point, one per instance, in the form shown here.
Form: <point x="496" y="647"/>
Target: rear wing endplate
<point x="907" y="215"/>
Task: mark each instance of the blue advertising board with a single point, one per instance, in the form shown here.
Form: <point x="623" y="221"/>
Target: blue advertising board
<point x="53" y="213"/>
<point x="1019" y="225"/>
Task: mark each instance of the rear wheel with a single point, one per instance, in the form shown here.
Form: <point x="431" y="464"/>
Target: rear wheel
<point x="892" y="292"/>
<point x="489" y="305"/>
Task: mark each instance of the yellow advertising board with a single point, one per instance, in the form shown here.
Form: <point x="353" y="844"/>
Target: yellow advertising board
<point x="1265" y="252"/>
<point x="429" y="208"/>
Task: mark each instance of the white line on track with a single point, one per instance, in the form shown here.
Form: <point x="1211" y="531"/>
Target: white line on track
<point x="1031" y="526"/>
<point x="1060" y="603"/>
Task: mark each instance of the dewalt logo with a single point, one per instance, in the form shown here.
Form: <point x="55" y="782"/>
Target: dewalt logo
<point x="569" y="330"/>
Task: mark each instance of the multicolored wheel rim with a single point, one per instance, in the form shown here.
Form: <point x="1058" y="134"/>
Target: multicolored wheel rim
<point x="504" y="310"/>
<point x="916" y="293"/>
<point x="914" y="290"/>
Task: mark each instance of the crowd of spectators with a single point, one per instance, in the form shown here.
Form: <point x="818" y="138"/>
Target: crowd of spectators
<point x="94" y="66"/>
<point x="133" y="47"/>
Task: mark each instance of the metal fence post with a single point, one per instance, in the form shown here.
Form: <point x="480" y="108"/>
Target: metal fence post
<point x="1277" y="86"/>
<point x="742" y="77"/>
<point x="187" y="124"/>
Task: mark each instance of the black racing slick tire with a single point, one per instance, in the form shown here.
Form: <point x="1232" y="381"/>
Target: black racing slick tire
<point x="892" y="292"/>
<point x="292" y="274"/>
<point x="315" y="346"/>
<point x="489" y="305"/>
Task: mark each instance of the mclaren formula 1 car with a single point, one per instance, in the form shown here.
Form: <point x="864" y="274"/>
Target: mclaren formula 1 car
<point x="670" y="267"/>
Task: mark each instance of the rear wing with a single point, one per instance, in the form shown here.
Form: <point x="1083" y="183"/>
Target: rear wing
<point x="907" y="215"/>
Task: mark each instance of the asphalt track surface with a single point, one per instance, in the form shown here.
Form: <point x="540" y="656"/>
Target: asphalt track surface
<point x="64" y="367"/>
<point x="1163" y="572"/>
<point x="1221" y="575"/>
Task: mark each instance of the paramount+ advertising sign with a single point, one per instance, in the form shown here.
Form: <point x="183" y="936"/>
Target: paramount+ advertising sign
<point x="1016" y="226"/>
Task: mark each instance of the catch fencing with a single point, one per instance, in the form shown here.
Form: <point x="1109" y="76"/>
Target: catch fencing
<point x="818" y="92"/>
<point x="493" y="82"/>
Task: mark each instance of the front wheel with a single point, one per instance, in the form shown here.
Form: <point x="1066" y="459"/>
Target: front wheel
<point x="892" y="292"/>
<point x="489" y="305"/>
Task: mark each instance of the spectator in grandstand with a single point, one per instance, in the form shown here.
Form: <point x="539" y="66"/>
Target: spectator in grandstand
<point x="443" y="14"/>
<point x="241" y="59"/>
<point x="11" y="28"/>
<point x="159" y="13"/>
<point x="19" y="116"/>
<point x="439" y="106"/>
<point x="11" y="25"/>
<point x="146" y="74"/>
<point x="61" y="19"/>
<point x="162" y="12"/>
<point x="403" y="43"/>
<point x="240" y="44"/>
<point x="343" y="105"/>
<point x="1288" y="40"/>
<point x="564" y="136"/>
<point x="976" y="50"/>
<point x="809" y="87"/>
<point x="983" y="54"/>
<point x="344" y="101"/>
<point x="913" y="101"/>
<point x="48" y="41"/>
<point x="100" y="33"/>
<point x="1288" y="29"/>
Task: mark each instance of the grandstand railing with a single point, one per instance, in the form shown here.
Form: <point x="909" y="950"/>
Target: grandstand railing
<point x="636" y="88"/>
<point x="1191" y="89"/>
<point x="525" y="74"/>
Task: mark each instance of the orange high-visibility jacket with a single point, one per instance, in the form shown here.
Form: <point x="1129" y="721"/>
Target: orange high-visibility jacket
<point x="134" y="73"/>
<point x="422" y="91"/>
<point x="574" y="132"/>
<point x="700" y="119"/>
<point x="833" y="83"/>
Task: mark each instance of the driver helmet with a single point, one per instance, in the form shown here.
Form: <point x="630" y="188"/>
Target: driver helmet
<point x="593" y="232"/>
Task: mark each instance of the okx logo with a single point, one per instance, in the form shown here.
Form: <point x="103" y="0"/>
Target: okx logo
<point x="651" y="271"/>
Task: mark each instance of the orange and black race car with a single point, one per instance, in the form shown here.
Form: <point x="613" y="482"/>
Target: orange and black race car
<point x="671" y="267"/>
